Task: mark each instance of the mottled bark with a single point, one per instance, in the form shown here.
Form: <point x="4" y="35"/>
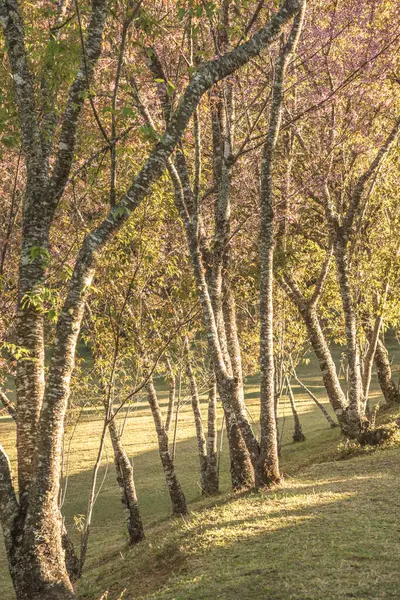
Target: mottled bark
<point x="356" y="425"/>
<point x="267" y="472"/>
<point x="308" y="312"/>
<point x="171" y="396"/>
<point x="383" y="369"/>
<point x="211" y="483"/>
<point x="126" y="485"/>
<point x="8" y="502"/>
<point x="268" y="466"/>
<point x="195" y="400"/>
<point x="174" y="487"/>
<point x="71" y="558"/>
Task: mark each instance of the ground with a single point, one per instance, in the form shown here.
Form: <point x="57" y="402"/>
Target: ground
<point x="330" y="531"/>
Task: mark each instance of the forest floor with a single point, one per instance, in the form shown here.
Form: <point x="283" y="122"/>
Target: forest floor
<point x="330" y="531"/>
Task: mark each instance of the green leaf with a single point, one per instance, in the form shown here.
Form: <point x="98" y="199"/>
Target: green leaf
<point x="121" y="211"/>
<point x="128" y="111"/>
<point x="39" y="252"/>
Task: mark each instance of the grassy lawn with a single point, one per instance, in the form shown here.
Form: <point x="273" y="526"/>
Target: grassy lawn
<point x="331" y="531"/>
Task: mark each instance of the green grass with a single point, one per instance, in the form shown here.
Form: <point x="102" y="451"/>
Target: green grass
<point x="329" y="532"/>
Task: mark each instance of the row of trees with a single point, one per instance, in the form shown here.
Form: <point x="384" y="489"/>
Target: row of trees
<point x="195" y="184"/>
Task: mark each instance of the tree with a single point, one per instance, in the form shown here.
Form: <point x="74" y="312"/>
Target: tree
<point x="268" y="465"/>
<point x="32" y="524"/>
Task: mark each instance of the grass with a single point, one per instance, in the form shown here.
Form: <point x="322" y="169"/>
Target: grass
<point x="329" y="532"/>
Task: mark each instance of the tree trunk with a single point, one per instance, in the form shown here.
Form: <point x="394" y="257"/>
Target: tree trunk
<point x="37" y="566"/>
<point x="171" y="397"/>
<point x="38" y="570"/>
<point x="174" y="487"/>
<point x="326" y="363"/>
<point x="355" y="419"/>
<point x="229" y="311"/>
<point x="211" y="483"/>
<point x="383" y="369"/>
<point x="242" y="472"/>
<point x="71" y="558"/>
<point x="317" y="402"/>
<point x="126" y="484"/>
<point x="384" y="373"/>
<point x="201" y="440"/>
<point x="298" y="435"/>
<point x="268" y="463"/>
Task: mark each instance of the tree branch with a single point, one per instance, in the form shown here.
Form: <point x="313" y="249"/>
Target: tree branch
<point x="323" y="274"/>
<point x="8" y="405"/>
<point x="24" y="90"/>
<point x="90" y="55"/>
<point x="363" y="179"/>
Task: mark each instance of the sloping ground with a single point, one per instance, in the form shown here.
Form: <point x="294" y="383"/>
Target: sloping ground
<point x="331" y="533"/>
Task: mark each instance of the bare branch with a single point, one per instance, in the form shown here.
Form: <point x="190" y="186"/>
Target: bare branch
<point x="8" y="405"/>
<point x="363" y="179"/>
<point x="321" y="278"/>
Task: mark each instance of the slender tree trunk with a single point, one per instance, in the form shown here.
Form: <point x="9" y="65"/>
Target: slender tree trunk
<point x="384" y="372"/>
<point x="355" y="419"/>
<point x="383" y="369"/>
<point x="369" y="359"/>
<point x="326" y="363"/>
<point x="317" y="402"/>
<point x="298" y="435"/>
<point x="126" y="484"/>
<point x="229" y="311"/>
<point x="171" y="397"/>
<point x="92" y="498"/>
<point x="174" y="487"/>
<point x="201" y="440"/>
<point x="308" y="312"/>
<point x="268" y="464"/>
<point x="211" y="483"/>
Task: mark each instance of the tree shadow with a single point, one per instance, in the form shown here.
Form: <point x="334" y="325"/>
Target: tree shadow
<point x="108" y="532"/>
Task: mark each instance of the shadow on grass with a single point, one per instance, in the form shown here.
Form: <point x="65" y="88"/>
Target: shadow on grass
<point x="322" y="538"/>
<point x="108" y="533"/>
<point x="108" y="521"/>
